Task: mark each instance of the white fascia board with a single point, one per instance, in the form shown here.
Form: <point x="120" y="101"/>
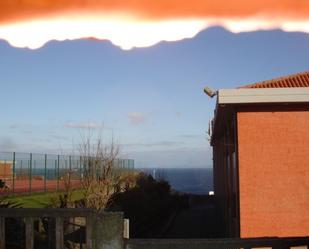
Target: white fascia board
<point x="263" y="95"/>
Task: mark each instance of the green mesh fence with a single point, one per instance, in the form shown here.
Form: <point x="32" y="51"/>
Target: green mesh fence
<point x="32" y="172"/>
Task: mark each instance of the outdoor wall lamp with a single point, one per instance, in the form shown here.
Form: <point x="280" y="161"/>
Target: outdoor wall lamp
<point x="211" y="93"/>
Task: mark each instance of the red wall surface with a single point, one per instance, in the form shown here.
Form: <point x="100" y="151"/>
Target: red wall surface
<point x="273" y="154"/>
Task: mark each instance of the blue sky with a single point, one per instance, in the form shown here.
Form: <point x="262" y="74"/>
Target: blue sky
<point x="150" y="99"/>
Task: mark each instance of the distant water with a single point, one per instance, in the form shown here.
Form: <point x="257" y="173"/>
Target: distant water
<point x="187" y="180"/>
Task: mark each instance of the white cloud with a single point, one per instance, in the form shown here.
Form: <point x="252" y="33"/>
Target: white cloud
<point x="35" y="33"/>
<point x="136" y="118"/>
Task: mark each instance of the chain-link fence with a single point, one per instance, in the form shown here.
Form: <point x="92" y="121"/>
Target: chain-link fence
<point x="30" y="172"/>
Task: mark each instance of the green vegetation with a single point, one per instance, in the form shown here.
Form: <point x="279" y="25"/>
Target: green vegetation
<point x="2" y="184"/>
<point x="149" y="206"/>
<point x="40" y="200"/>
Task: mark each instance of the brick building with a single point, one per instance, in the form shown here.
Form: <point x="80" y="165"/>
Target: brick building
<point x="6" y="170"/>
<point x="260" y="140"/>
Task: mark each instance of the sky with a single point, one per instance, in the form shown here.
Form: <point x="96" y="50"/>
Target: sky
<point x="135" y="70"/>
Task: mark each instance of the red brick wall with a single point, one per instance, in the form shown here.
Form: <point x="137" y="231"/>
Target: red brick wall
<point x="273" y="173"/>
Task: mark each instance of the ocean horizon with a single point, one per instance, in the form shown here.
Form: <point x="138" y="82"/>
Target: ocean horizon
<point x="186" y="180"/>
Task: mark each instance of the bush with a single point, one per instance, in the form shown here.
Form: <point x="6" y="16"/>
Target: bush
<point x="2" y="184"/>
<point x="148" y="206"/>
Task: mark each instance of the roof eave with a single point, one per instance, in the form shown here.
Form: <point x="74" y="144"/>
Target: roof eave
<point x="263" y="95"/>
<point x="228" y="98"/>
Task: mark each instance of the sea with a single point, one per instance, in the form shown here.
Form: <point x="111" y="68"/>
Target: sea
<point x="186" y="180"/>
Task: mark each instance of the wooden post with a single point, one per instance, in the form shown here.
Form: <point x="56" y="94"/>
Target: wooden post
<point x="59" y="233"/>
<point x="51" y="232"/>
<point x="89" y="229"/>
<point x="2" y="233"/>
<point x="29" y="233"/>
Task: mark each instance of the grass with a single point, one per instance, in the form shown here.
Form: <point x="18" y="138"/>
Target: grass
<point x="39" y="200"/>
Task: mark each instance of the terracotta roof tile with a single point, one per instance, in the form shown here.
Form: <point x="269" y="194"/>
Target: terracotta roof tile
<point x="295" y="80"/>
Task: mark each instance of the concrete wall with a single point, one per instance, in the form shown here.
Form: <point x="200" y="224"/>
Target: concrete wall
<point x="108" y="230"/>
<point x="273" y="149"/>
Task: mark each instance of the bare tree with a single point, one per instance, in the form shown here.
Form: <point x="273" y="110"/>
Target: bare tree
<point x="102" y="178"/>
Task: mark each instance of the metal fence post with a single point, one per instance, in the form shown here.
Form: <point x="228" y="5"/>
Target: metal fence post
<point x="58" y="164"/>
<point x="34" y="168"/>
<point x="45" y="171"/>
<point x="13" y="172"/>
<point x="4" y="170"/>
<point x="55" y="172"/>
<point x="70" y="163"/>
<point x="30" y="174"/>
<point x="21" y="167"/>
